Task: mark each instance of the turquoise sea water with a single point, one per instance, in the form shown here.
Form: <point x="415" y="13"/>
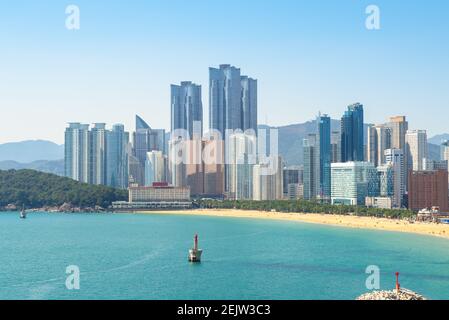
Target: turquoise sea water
<point x="128" y="256"/>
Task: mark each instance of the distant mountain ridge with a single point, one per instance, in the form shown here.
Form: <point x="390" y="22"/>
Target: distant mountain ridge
<point x="31" y="150"/>
<point x="291" y="139"/>
<point x="47" y="156"/>
<point x="439" y="139"/>
<point x="48" y="166"/>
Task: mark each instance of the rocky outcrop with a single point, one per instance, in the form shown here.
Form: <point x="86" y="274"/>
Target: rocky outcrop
<point x="402" y="294"/>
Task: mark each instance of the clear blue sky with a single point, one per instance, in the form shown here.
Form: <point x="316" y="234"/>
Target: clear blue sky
<point x="308" y="56"/>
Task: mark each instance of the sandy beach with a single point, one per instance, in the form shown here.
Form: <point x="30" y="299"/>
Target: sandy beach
<point x="431" y="229"/>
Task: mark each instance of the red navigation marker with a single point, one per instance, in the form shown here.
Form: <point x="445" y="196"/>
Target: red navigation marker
<point x="398" y="286"/>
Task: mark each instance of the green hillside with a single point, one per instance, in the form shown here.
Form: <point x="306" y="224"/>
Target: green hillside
<point x="37" y="189"/>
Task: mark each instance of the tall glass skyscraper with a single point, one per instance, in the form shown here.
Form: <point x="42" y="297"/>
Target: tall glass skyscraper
<point x="117" y="154"/>
<point x="187" y="108"/>
<point x="76" y="153"/>
<point x="146" y="139"/>
<point x="249" y="104"/>
<point x="324" y="133"/>
<point x="97" y="156"/>
<point x="352" y="134"/>
<point x="232" y="100"/>
<point x="311" y="175"/>
<point x="225" y="110"/>
<point x="232" y="105"/>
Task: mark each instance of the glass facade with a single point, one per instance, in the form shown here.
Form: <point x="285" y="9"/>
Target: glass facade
<point x="352" y="182"/>
<point x="352" y="134"/>
<point x="187" y="108"/>
<point x="324" y="129"/>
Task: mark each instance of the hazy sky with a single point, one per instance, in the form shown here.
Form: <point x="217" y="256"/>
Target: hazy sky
<point x="308" y="56"/>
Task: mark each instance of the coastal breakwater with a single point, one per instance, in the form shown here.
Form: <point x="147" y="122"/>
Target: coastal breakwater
<point x="402" y="294"/>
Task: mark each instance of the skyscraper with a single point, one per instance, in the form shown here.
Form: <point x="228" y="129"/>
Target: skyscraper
<point x="117" y="153"/>
<point x="205" y="167"/>
<point x="352" y="182"/>
<point x="444" y="150"/>
<point x="98" y="154"/>
<point x="146" y="139"/>
<point x="428" y="189"/>
<point x="352" y="134"/>
<point x="225" y="89"/>
<point x="232" y="100"/>
<point x="187" y="108"/>
<point x="76" y="153"/>
<point x="398" y="128"/>
<point x="386" y="180"/>
<point x="324" y="133"/>
<point x="395" y="158"/>
<point x="267" y="183"/>
<point x="249" y="104"/>
<point x="176" y="162"/>
<point x="336" y="146"/>
<point x="417" y="150"/>
<point x="292" y="175"/>
<point x="379" y="140"/>
<point x="311" y="174"/>
<point x="371" y="146"/>
<point x="155" y="168"/>
<point x="241" y="159"/>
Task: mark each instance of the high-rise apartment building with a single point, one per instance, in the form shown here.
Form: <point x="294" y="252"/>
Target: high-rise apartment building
<point x="417" y="150"/>
<point x="187" y="109"/>
<point x="379" y="140"/>
<point x="398" y="127"/>
<point x="395" y="158"/>
<point x="205" y="167"/>
<point x="241" y="157"/>
<point x="292" y="175"/>
<point x="146" y="139"/>
<point x="77" y="152"/>
<point x="352" y="134"/>
<point x="268" y="180"/>
<point x="311" y="174"/>
<point x="155" y="168"/>
<point x="249" y="104"/>
<point x="386" y="180"/>
<point x="324" y="134"/>
<point x="336" y="146"/>
<point x="232" y="100"/>
<point x="97" y="156"/>
<point x="177" y="162"/>
<point x="117" y="157"/>
<point x="352" y="182"/>
<point x="428" y="189"/>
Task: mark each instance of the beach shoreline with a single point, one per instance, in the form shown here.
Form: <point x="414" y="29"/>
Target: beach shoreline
<point x="348" y="221"/>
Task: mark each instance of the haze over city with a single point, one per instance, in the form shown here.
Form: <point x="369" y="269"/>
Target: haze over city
<point x="306" y="57"/>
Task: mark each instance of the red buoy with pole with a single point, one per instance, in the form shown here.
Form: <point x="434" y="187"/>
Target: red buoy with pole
<point x="398" y="286"/>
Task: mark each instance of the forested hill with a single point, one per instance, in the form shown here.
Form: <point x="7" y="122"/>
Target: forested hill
<point x="37" y="189"/>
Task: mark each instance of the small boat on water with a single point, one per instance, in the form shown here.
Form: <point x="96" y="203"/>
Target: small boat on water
<point x="23" y="213"/>
<point x="195" y="253"/>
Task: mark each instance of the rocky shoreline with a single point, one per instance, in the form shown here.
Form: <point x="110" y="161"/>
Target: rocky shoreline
<point x="402" y="294"/>
<point x="65" y="208"/>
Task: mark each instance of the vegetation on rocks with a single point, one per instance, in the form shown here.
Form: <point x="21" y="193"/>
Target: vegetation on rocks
<point x="34" y="189"/>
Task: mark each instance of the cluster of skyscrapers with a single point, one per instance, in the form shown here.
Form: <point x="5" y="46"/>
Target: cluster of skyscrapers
<point x="357" y="164"/>
<point x="375" y="165"/>
<point x="221" y="163"/>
